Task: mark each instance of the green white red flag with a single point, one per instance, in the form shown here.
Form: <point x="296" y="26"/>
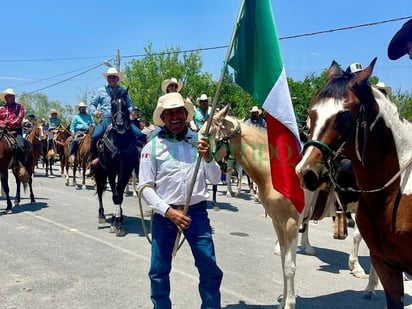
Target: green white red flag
<point x="259" y="70"/>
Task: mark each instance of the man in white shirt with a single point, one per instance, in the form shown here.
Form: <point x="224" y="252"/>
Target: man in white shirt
<point x="167" y="164"/>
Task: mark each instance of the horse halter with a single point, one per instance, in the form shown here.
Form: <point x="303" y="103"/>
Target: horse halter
<point x="224" y="141"/>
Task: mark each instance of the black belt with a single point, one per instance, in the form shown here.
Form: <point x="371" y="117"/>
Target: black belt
<point x="181" y="207"/>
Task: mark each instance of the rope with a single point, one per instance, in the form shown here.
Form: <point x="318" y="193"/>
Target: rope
<point x="139" y="194"/>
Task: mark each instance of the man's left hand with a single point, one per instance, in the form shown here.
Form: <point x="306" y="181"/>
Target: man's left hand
<point x="203" y="149"/>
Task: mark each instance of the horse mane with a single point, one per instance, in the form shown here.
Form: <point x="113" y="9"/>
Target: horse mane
<point x="337" y="87"/>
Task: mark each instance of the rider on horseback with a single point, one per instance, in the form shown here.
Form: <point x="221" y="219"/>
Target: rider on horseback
<point x="11" y="118"/>
<point x="79" y="127"/>
<point x="100" y="107"/>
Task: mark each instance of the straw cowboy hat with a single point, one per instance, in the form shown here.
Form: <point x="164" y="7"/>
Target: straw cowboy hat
<point x="81" y="104"/>
<point x="168" y="101"/>
<point x="203" y="97"/>
<point x="382" y="86"/>
<point x="8" y="91"/>
<point x="396" y="48"/>
<point x="256" y="109"/>
<point x="53" y="111"/>
<point x="113" y="71"/>
<point x="170" y="81"/>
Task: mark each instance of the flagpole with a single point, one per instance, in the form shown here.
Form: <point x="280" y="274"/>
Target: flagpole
<point x="209" y="121"/>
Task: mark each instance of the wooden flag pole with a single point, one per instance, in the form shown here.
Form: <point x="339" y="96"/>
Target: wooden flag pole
<point x="209" y="122"/>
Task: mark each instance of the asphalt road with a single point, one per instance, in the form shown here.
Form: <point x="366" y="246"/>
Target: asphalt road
<point x="54" y="254"/>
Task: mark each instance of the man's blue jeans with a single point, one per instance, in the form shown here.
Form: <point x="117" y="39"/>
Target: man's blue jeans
<point x="101" y="128"/>
<point x="199" y="237"/>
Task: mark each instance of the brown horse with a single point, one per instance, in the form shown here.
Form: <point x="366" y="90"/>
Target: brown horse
<point x="349" y="117"/>
<point x="22" y="173"/>
<point x="81" y="158"/>
<point x="59" y="139"/>
<point x="34" y="137"/>
<point x="250" y="149"/>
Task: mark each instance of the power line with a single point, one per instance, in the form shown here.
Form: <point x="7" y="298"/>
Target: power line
<point x="65" y="80"/>
<point x="222" y="46"/>
<point x="190" y="50"/>
<point x="345" y="28"/>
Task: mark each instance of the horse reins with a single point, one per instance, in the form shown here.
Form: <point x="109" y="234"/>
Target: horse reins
<point x="331" y="163"/>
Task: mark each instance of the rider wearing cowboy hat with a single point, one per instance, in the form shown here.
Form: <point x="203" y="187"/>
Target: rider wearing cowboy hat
<point x="401" y="43"/>
<point x="171" y="85"/>
<point x="11" y="118"/>
<point x="79" y="126"/>
<point x="100" y="107"/>
<point x="254" y="119"/>
<point x="54" y="123"/>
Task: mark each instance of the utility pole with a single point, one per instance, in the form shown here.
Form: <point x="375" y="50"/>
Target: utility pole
<point x="118" y="60"/>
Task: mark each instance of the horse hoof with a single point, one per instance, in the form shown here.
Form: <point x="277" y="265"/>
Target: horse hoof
<point x="120" y="232"/>
<point x="102" y="219"/>
<point x="113" y="229"/>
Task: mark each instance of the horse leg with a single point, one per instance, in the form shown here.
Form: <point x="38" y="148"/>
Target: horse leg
<point x="17" y="198"/>
<point x="373" y="281"/>
<point x="32" y="199"/>
<point x="392" y="282"/>
<point x="100" y="187"/>
<point x="239" y="179"/>
<point x="74" y="168"/>
<point x="134" y="182"/>
<point x="6" y="190"/>
<point x="354" y="265"/>
<point x="84" y="167"/>
<point x="287" y="231"/>
<point x="117" y="198"/>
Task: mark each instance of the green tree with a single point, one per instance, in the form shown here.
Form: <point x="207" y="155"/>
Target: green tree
<point x="39" y="105"/>
<point x="144" y="76"/>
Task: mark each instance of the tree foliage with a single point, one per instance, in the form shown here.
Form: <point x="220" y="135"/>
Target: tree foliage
<point x="144" y="77"/>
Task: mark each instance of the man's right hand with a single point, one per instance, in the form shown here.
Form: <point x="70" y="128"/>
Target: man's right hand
<point x="177" y="217"/>
<point x="98" y="114"/>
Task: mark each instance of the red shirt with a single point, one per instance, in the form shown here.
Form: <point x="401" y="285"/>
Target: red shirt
<point x="13" y="113"/>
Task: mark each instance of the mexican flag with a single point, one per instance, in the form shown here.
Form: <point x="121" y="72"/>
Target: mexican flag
<point x="259" y="70"/>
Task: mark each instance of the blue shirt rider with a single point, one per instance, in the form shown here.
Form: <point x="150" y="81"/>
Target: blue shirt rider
<point x="54" y="122"/>
<point x="79" y="125"/>
<point x="100" y="107"/>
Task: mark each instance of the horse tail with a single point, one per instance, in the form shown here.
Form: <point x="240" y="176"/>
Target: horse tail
<point x="23" y="175"/>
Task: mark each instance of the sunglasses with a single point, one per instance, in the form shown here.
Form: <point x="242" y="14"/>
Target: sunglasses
<point x="172" y="86"/>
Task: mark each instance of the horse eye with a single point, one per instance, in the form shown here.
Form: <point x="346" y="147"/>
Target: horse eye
<point x="344" y="121"/>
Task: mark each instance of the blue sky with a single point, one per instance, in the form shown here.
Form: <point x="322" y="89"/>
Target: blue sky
<point x="38" y="34"/>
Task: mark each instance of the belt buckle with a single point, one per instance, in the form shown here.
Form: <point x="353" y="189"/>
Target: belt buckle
<point x="178" y="207"/>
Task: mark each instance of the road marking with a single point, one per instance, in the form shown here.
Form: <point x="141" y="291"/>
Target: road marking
<point x="139" y="256"/>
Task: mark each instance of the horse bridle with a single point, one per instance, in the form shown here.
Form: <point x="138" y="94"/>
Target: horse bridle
<point x="332" y="163"/>
<point x="224" y="141"/>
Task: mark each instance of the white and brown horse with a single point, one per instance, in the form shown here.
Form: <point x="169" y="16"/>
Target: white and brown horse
<point x="349" y="117"/>
<point x="249" y="146"/>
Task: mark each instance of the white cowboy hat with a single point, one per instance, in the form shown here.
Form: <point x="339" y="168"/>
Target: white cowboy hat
<point x="113" y="71"/>
<point x="81" y="104"/>
<point x="396" y="48"/>
<point x="8" y="91"/>
<point x="172" y="80"/>
<point x="203" y="97"/>
<point x="256" y="109"/>
<point x="171" y="100"/>
<point x="382" y="86"/>
<point x="53" y="111"/>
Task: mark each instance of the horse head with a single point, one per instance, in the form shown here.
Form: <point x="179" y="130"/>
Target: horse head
<point x="340" y="114"/>
<point x="119" y="110"/>
<point x="222" y="128"/>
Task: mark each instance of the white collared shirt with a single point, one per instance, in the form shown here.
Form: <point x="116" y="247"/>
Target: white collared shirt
<point x="168" y="165"/>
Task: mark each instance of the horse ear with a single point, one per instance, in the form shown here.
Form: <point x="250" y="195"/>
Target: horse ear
<point x="363" y="76"/>
<point x="222" y="113"/>
<point x="333" y="71"/>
